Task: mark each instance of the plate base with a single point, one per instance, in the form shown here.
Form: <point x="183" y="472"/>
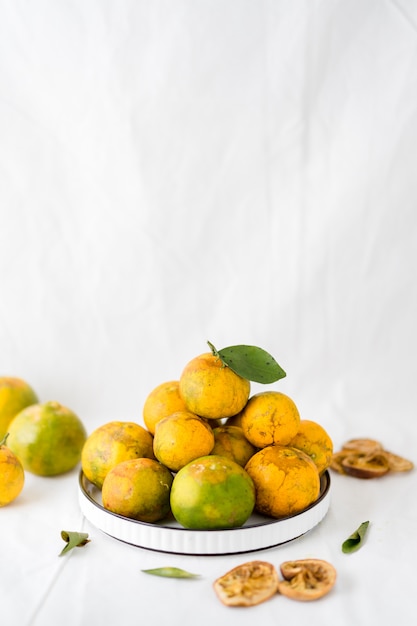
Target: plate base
<point x="258" y="533"/>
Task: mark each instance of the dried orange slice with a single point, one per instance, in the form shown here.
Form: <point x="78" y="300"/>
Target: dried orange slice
<point x="247" y="584"/>
<point x="367" y="446"/>
<point x="371" y="465"/>
<point x="398" y="463"/>
<point x="367" y="458"/>
<point x="337" y="459"/>
<point x="306" y="579"/>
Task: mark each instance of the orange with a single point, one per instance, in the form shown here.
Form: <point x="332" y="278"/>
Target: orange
<point x="286" y="480"/>
<point x="12" y="474"/>
<point x="15" y="395"/>
<point x="139" y="489"/>
<point x="47" y="438"/>
<point x="162" y="401"/>
<point x="270" y="417"/>
<point x="212" y="492"/>
<point x="231" y="442"/>
<point x="314" y="440"/>
<point x="181" y="438"/>
<point x="211" y="389"/>
<point x="111" y="444"/>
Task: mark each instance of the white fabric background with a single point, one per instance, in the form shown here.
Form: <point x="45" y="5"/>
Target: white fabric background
<point x="173" y="172"/>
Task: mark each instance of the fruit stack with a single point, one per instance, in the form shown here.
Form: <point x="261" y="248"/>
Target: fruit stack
<point x="210" y="453"/>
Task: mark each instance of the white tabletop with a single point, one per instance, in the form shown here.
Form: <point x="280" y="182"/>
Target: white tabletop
<point x="103" y="581"/>
<point x="237" y="171"/>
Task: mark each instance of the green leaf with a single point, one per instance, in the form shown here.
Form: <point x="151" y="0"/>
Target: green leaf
<point x="3" y="441"/>
<point x="170" y="572"/>
<point x="74" y="540"/>
<point x="355" y="541"/>
<point x="250" y="362"/>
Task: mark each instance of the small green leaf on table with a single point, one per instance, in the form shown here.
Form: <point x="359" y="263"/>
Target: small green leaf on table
<point x="170" y="572"/>
<point x="250" y="362"/>
<point x="355" y="541"/>
<point x="73" y="539"/>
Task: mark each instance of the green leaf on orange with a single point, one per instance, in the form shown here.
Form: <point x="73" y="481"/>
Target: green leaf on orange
<point x="250" y="362"/>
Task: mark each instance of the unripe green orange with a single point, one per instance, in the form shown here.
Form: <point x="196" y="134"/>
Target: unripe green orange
<point x="212" y="492"/>
<point x="47" y="438"/>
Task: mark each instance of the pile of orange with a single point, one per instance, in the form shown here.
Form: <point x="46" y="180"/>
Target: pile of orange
<point x="208" y="442"/>
<point x="208" y="453"/>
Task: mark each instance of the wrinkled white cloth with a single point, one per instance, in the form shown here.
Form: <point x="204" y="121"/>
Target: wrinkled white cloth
<point x="231" y="171"/>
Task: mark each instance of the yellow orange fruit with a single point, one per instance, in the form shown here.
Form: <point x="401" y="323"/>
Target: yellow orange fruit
<point x="111" y="444"/>
<point x="15" y="395"/>
<point x="12" y="474"/>
<point x="47" y="438"/>
<point x="230" y="441"/>
<point x="181" y="438"/>
<point x="286" y="480"/>
<point x="212" y="492"/>
<point x="314" y="440"/>
<point x="138" y="489"/>
<point x="162" y="401"/>
<point x="212" y="390"/>
<point x="270" y="417"/>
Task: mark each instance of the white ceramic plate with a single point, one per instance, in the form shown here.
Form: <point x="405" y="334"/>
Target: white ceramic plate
<point x="257" y="534"/>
